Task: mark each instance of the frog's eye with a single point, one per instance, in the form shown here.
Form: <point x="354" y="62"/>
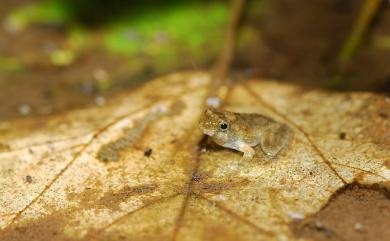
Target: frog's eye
<point x="223" y="126"/>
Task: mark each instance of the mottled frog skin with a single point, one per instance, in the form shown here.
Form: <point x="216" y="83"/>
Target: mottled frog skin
<point x="245" y="131"/>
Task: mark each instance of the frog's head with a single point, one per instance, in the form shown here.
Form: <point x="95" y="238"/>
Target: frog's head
<point x="217" y="124"/>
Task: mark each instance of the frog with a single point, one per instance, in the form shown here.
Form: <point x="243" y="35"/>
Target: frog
<point x="246" y="132"/>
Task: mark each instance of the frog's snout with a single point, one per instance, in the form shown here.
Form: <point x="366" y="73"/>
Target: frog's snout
<point x="209" y="132"/>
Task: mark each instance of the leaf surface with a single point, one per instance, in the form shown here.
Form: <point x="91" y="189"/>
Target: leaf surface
<point x="136" y="169"/>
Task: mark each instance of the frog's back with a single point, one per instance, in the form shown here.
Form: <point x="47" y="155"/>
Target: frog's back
<point x="250" y="127"/>
<point x="255" y="122"/>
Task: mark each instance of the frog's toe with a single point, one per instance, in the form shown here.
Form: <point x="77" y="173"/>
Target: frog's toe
<point x="249" y="155"/>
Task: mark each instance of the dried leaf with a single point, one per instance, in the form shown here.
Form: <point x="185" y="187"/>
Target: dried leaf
<point x="134" y="169"/>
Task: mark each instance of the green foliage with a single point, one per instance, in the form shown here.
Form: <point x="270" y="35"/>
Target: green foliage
<point x="192" y="29"/>
<point x="53" y="12"/>
<point x="158" y="33"/>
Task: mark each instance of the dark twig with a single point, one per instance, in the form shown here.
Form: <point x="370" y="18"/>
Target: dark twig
<point x="220" y="69"/>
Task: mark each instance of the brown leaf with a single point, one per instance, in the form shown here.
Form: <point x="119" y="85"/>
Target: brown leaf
<point x="134" y="169"/>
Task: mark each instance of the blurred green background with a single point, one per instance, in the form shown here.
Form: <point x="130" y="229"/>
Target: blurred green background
<point x="57" y="55"/>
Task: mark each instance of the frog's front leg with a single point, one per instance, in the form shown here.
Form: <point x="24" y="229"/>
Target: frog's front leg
<point x="248" y="151"/>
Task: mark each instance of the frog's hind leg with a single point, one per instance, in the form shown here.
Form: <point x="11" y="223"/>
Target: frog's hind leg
<point x="274" y="140"/>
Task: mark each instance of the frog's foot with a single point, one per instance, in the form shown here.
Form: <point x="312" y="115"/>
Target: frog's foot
<point x="248" y="151"/>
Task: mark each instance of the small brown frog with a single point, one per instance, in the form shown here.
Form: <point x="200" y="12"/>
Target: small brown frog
<point x="243" y="132"/>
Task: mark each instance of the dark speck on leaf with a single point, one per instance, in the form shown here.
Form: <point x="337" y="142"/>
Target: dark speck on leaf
<point x="342" y="135"/>
<point x="384" y="115"/>
<point x="196" y="177"/>
<point x="28" y="179"/>
<point x="148" y="152"/>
